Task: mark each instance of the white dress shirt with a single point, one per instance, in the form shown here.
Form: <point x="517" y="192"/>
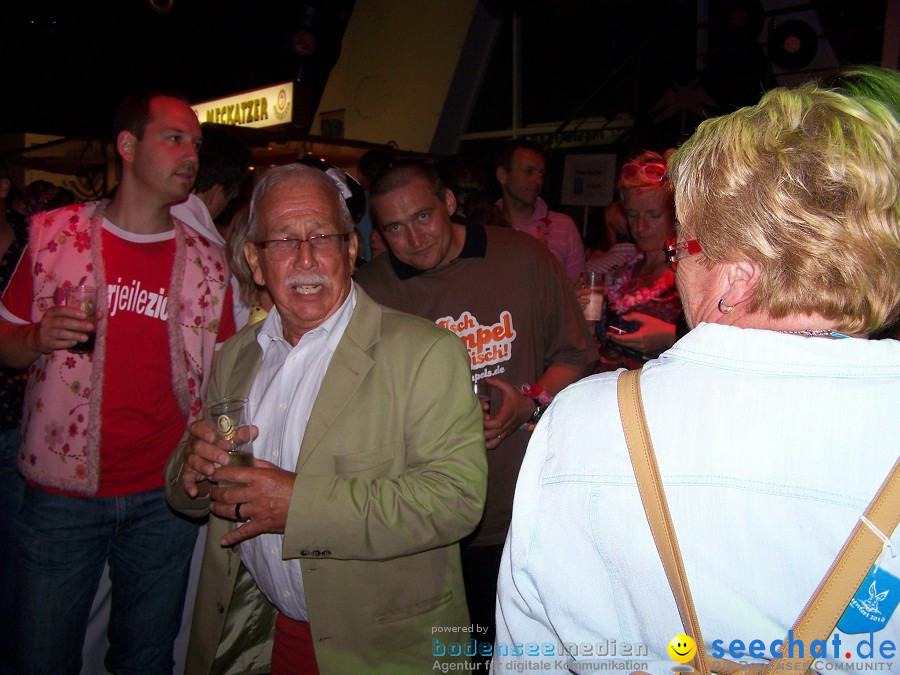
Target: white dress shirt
<point x="281" y="400"/>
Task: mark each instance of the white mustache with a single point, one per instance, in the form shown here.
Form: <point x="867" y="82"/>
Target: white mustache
<point x="308" y="280"/>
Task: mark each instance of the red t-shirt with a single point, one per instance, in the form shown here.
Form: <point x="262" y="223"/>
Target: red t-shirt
<point x="142" y="423"/>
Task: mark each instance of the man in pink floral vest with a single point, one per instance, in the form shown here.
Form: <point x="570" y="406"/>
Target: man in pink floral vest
<point x="98" y="426"/>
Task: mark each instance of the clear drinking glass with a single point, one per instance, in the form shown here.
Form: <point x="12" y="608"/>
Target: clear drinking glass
<point x="84" y="298"/>
<point x="483" y="392"/>
<point x="231" y="419"/>
<point x="596" y="282"/>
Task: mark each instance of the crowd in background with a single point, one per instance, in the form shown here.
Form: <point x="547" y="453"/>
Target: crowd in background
<point x="664" y="216"/>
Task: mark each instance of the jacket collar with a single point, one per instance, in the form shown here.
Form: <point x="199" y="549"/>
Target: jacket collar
<point x="348" y="368"/>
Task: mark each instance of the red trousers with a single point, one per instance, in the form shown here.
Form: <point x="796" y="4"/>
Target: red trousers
<point x="293" y="652"/>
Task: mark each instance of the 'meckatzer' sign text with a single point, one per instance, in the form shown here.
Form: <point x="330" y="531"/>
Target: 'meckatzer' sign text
<point x="258" y="108"/>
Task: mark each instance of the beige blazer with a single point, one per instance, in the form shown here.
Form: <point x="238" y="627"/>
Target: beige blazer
<point x="391" y="475"/>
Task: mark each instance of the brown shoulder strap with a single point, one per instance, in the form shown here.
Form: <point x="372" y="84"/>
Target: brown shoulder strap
<point x="849" y="569"/>
<point x="827" y="604"/>
<point x="640" y="448"/>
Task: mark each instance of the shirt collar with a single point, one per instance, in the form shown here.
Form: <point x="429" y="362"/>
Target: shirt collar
<point x="333" y="327"/>
<point x="773" y="353"/>
<point x="474" y="246"/>
<point x="541" y="210"/>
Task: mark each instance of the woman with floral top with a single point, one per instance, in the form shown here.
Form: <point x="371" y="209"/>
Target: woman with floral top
<point x="642" y="301"/>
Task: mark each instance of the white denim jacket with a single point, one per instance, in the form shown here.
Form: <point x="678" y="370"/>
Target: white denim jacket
<point x="770" y="447"/>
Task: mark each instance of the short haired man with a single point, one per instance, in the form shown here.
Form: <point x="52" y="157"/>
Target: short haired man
<point x="370" y="165"/>
<point x="98" y="427"/>
<point x="368" y="469"/>
<point x="508" y="300"/>
<point x="520" y="171"/>
<point x="224" y="161"/>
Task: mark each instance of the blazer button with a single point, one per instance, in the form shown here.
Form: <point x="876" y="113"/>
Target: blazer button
<point x="220" y="607"/>
<point x="326" y="553"/>
<point x="304" y="552"/>
<point x="316" y="553"/>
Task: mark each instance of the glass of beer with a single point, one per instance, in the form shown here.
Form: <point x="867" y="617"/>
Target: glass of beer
<point x="84" y="298"/>
<point x="483" y="392"/>
<point x="231" y="419"/>
<point x="596" y="282"/>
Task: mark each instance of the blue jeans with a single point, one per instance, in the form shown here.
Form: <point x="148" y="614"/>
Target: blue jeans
<point x="11" y="488"/>
<point x="62" y="545"/>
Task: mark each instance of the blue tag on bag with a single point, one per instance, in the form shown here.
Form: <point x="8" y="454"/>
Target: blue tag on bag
<point x="875" y="601"/>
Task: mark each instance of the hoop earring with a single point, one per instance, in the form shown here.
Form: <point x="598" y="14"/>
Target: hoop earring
<point x="727" y="309"/>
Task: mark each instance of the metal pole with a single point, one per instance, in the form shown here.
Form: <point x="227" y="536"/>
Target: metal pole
<point x="516" y="74"/>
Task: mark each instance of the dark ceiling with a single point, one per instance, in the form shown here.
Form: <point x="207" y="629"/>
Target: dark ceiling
<point x="584" y="59"/>
<point x="67" y="63"/>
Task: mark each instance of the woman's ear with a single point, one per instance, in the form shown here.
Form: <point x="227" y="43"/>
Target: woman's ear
<point x="741" y="278"/>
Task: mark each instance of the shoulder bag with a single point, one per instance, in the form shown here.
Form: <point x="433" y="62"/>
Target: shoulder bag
<point x="824" y="609"/>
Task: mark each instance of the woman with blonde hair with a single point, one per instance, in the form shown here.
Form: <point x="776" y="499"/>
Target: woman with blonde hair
<point x="774" y="420"/>
<point x="252" y="302"/>
<point x="642" y="301"/>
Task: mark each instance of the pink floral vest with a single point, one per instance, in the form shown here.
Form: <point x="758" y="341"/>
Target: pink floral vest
<point x="65" y="249"/>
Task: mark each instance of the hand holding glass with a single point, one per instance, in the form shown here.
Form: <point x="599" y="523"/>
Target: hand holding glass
<point x="84" y="298"/>
<point x="231" y="419"/>
<point x="483" y="392"/>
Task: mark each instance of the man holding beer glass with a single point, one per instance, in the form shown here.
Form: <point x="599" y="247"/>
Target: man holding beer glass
<point x="99" y="424"/>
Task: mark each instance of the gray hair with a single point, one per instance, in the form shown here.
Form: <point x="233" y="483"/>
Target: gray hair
<point x="301" y="175"/>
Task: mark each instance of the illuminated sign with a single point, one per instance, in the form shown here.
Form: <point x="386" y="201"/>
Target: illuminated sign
<point x="264" y="107"/>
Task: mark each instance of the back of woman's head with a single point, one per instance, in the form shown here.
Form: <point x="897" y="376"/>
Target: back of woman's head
<point x="807" y="185"/>
<point x="874" y="82"/>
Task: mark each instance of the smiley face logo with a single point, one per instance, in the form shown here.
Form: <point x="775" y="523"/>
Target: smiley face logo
<point x="682" y="648"/>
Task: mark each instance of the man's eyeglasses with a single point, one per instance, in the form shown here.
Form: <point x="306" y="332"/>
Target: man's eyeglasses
<point x="653" y="172"/>
<point x="676" y="250"/>
<point x="285" y="249"/>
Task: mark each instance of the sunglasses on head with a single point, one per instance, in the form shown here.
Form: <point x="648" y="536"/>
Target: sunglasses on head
<point x="653" y="172"/>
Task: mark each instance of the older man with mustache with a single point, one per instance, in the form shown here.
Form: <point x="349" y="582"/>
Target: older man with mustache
<point x="369" y="465"/>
